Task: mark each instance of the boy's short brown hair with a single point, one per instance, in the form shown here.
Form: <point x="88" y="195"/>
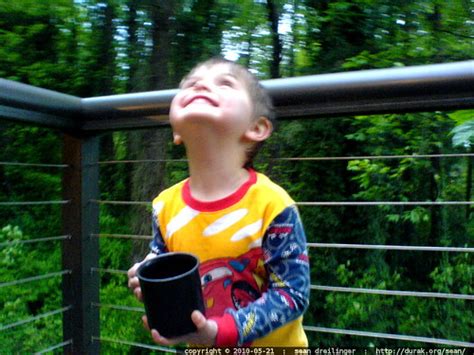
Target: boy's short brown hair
<point x="261" y="100"/>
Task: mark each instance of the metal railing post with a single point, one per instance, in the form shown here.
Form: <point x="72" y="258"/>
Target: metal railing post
<point x="80" y="252"/>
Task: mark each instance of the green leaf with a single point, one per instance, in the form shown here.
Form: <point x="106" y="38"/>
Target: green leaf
<point x="463" y="135"/>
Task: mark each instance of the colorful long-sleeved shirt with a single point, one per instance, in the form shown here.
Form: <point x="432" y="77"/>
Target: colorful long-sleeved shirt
<point x="254" y="263"/>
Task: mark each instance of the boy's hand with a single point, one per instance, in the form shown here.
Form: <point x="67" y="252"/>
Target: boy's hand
<point x="133" y="282"/>
<point x="204" y="335"/>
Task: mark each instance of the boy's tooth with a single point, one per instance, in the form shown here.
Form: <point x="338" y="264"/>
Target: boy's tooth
<point x="201" y="100"/>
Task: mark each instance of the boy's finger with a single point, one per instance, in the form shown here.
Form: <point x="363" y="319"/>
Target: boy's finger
<point x="198" y="319"/>
<point x="157" y="338"/>
<point x="145" y="323"/>
<point x="133" y="270"/>
<point x="138" y="293"/>
<point x="133" y="282"/>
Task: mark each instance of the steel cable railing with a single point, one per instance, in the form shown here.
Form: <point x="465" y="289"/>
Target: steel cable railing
<point x="385" y="203"/>
<point x="390" y="247"/>
<point x="419" y="339"/>
<point x="55" y="347"/>
<point x="332" y="158"/>
<point x="139" y="161"/>
<point x="134" y="344"/>
<point x="372" y="291"/>
<point x="123" y="236"/>
<point x="35" y="165"/>
<point x="33" y="203"/>
<point x="119" y="307"/>
<point x="34" y="278"/>
<point x="323" y="203"/>
<point x="110" y="202"/>
<point x="379" y="157"/>
<point x="36" y="240"/>
<point x="108" y="271"/>
<point x="34" y="318"/>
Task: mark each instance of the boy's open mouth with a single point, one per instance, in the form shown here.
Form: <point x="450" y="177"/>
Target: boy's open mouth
<point x="200" y="99"/>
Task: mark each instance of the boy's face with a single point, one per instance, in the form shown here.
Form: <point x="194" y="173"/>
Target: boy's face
<point x="211" y="97"/>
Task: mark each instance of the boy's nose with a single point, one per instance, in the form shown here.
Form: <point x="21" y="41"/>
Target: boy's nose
<point x="202" y="85"/>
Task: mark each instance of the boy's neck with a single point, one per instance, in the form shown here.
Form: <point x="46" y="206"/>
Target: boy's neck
<point x="215" y="174"/>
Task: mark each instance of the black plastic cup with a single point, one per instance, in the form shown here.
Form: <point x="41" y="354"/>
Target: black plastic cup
<point x="171" y="289"/>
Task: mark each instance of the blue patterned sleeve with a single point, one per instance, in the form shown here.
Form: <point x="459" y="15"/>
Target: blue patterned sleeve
<point x="287" y="296"/>
<point x="157" y="245"/>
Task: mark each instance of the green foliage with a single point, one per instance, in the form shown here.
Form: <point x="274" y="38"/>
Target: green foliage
<point x="13" y="250"/>
<point x="32" y="145"/>
<point x="463" y="135"/>
<point x="119" y="324"/>
<point x="363" y="312"/>
<point x="454" y="275"/>
<point x="23" y="301"/>
<point x="38" y="43"/>
<point x="452" y="319"/>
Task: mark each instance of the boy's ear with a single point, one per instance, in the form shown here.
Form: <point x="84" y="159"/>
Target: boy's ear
<point x="259" y="130"/>
<point x="177" y="139"/>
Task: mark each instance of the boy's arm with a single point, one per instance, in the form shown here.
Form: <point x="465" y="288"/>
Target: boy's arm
<point x="157" y="245"/>
<point x="287" y="296"/>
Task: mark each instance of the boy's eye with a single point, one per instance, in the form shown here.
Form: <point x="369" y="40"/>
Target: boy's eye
<point x="227" y="82"/>
<point x="188" y="84"/>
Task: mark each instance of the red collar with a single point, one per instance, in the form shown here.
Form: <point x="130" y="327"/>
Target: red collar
<point x="212" y="206"/>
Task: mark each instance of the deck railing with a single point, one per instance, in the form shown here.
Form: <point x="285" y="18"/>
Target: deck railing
<point x="81" y="121"/>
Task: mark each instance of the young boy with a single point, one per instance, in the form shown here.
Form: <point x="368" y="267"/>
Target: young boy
<point x="244" y="228"/>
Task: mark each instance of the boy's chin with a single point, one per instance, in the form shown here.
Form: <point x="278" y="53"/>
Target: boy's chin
<point x="196" y="116"/>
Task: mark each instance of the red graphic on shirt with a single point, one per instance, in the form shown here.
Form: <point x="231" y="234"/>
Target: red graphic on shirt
<point x="232" y="282"/>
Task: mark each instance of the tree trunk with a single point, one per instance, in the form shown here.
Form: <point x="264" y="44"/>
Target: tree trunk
<point x="133" y="54"/>
<point x="106" y="52"/>
<point x="148" y="179"/>
<point x="291" y="68"/>
<point x="246" y="58"/>
<point x="161" y="13"/>
<point x="273" y="17"/>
